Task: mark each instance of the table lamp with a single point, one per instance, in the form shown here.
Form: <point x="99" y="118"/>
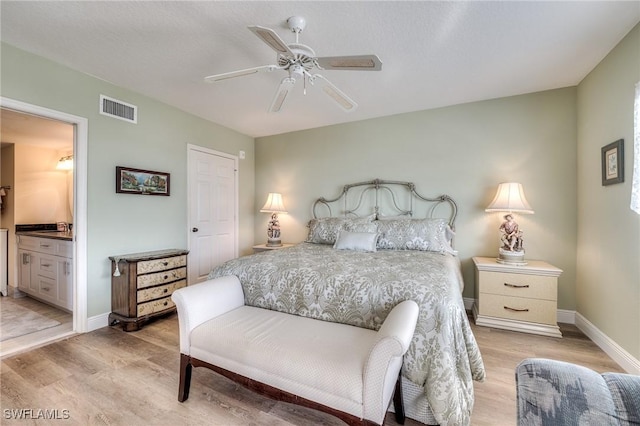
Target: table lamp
<point x="274" y="205"/>
<point x="510" y="198"/>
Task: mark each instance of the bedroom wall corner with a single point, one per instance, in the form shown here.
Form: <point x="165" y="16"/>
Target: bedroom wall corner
<point x="608" y="249"/>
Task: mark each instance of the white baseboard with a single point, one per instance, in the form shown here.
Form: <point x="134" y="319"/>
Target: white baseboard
<point x="468" y="303"/>
<point x="611" y="348"/>
<point x="98" y="321"/>
<point x="565" y="316"/>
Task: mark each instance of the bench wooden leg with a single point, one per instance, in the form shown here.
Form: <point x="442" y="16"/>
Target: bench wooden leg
<point x="398" y="401"/>
<point x="185" y="377"/>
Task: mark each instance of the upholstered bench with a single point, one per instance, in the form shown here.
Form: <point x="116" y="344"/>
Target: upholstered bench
<point x="346" y="371"/>
<point x="558" y="393"/>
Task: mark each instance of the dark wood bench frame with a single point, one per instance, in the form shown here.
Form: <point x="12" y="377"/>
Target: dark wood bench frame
<point x="187" y="363"/>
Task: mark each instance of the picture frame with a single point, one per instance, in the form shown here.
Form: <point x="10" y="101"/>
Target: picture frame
<point x="142" y="182"/>
<point x="613" y="163"/>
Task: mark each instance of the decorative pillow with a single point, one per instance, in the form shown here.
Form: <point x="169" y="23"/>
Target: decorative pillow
<point x="325" y="230"/>
<point x="360" y="241"/>
<point x="415" y="234"/>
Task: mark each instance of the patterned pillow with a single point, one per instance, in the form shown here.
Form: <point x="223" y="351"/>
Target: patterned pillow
<point x="415" y="234"/>
<point x="325" y="230"/>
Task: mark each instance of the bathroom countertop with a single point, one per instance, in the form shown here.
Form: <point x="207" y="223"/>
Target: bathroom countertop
<point x="55" y="235"/>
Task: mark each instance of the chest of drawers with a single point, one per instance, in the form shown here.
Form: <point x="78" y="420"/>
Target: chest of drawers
<point x="142" y="285"/>
<point x="519" y="298"/>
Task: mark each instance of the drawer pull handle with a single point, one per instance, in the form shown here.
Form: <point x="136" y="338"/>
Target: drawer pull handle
<point x="46" y="265"/>
<point x="166" y="290"/>
<point x="45" y="245"/>
<point x="166" y="276"/>
<point x="516" y="310"/>
<point x="45" y="288"/>
<point x="516" y="285"/>
<point x="165" y="303"/>
<point x="165" y="263"/>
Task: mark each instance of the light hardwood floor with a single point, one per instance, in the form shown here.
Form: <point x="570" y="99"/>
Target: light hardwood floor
<point x="109" y="377"/>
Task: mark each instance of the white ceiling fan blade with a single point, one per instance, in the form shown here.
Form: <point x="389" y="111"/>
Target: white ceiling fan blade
<point x="272" y="39"/>
<point x="358" y="63"/>
<point x="240" y="73"/>
<point x="336" y="94"/>
<point x="286" y="85"/>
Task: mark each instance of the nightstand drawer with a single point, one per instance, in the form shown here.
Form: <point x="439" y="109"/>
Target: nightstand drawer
<point x="519" y="285"/>
<point x="517" y="308"/>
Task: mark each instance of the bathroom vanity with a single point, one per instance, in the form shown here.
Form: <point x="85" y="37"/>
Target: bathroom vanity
<point x="45" y="272"/>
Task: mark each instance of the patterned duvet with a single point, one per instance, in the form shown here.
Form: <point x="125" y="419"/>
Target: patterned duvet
<point x="360" y="289"/>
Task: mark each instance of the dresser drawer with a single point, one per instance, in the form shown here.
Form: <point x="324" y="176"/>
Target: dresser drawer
<point x="161" y="277"/>
<point x="155" y="306"/>
<point x="147" y="266"/>
<point x="517" y="308"/>
<point x="160" y="291"/>
<point x="519" y="285"/>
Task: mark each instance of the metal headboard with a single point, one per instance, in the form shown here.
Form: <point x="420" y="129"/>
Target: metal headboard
<point x="401" y="197"/>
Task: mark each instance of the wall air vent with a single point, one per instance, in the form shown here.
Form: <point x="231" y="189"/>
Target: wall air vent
<point x="118" y="109"/>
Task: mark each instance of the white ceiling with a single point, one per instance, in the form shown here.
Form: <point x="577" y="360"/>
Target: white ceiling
<point x="434" y="54"/>
<point x="17" y="127"/>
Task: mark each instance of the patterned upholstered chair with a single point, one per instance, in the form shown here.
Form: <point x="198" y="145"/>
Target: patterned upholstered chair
<point x="558" y="393"/>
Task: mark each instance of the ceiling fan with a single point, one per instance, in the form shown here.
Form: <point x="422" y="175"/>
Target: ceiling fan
<point x="299" y="60"/>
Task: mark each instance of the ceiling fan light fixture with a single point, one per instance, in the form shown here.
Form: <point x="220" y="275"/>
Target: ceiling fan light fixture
<point x="299" y="60"/>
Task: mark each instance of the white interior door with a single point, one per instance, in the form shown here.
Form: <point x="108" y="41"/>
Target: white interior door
<point x="212" y="211"/>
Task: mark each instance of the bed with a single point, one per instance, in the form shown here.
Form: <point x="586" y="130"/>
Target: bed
<point x="368" y="250"/>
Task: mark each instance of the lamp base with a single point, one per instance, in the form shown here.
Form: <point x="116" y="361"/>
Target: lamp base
<point x="272" y="242"/>
<point x="515" y="258"/>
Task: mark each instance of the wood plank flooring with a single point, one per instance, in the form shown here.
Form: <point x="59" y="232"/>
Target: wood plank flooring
<point x="109" y="377"/>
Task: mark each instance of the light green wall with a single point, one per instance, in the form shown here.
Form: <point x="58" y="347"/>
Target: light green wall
<point x="463" y="151"/>
<point x="120" y="223"/>
<point x="608" y="253"/>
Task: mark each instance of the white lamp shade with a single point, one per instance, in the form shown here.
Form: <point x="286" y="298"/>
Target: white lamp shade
<point x="274" y="204"/>
<point x="510" y="198"/>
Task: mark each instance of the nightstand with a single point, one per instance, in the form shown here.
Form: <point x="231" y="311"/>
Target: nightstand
<point x="518" y="298"/>
<point x="263" y="247"/>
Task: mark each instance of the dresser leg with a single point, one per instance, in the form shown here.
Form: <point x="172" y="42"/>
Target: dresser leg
<point x="185" y="377"/>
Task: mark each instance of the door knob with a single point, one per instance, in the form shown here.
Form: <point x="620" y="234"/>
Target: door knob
<point x="194" y="229"/>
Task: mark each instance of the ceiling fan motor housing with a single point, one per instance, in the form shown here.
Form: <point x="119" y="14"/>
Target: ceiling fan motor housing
<point x="297" y="24"/>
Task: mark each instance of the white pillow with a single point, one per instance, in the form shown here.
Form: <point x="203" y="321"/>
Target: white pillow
<point x="360" y="241"/>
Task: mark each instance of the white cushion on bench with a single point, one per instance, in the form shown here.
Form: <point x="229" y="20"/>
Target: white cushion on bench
<point x="300" y="355"/>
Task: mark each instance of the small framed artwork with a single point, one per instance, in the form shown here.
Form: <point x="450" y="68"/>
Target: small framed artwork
<point x="143" y="182"/>
<point x="613" y="163"/>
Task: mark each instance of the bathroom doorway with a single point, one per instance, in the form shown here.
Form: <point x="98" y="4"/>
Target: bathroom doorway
<point x="33" y="136"/>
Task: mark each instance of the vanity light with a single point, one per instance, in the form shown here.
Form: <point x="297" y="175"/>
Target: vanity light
<point x="65" y="163"/>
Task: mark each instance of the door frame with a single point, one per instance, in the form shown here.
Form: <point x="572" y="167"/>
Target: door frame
<point x="190" y="148"/>
<point x="80" y="145"/>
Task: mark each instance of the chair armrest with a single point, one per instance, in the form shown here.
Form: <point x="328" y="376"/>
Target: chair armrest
<point x="201" y="302"/>
<point x="385" y="359"/>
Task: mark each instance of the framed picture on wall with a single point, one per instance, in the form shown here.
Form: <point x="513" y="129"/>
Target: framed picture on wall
<point x="613" y="163"/>
<point x="143" y="182"/>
